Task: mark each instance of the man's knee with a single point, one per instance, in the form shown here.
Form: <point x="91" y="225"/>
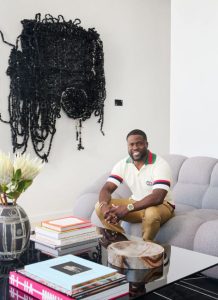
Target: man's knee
<point x="151" y="215"/>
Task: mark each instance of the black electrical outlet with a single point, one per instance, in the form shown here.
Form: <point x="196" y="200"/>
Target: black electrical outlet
<point x="118" y="102"/>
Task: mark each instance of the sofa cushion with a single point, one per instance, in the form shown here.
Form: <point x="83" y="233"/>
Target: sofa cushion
<point x="194" y="180"/>
<point x="189" y="194"/>
<point x="175" y="161"/>
<point x="210" y="199"/>
<point x="206" y="241"/>
<point x="95" y="220"/>
<point x="214" y="176"/>
<point x="197" y="170"/>
<point x="179" y="231"/>
<point x="134" y="229"/>
<point x="204" y="214"/>
<point x="183" y="208"/>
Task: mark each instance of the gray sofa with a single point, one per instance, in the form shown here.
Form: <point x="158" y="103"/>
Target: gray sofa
<point x="195" y="192"/>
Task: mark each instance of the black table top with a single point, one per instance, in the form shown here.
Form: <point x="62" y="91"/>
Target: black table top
<point x="179" y="264"/>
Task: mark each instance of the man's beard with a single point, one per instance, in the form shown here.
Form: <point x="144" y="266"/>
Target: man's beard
<point x="138" y="156"/>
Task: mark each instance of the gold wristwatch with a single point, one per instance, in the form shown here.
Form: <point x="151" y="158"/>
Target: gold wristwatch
<point x="130" y="207"/>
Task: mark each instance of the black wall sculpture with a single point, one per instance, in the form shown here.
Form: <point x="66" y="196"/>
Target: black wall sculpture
<point x="55" y="64"/>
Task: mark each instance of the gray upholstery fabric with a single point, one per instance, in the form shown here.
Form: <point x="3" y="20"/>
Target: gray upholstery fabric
<point x="176" y="162"/>
<point x="195" y="192"/>
<point x="209" y="197"/>
<point x="84" y="205"/>
<point x="189" y="193"/>
<point x="206" y="241"/>
<point x="95" y="220"/>
<point x="214" y="176"/>
<point x="197" y="170"/>
<point x="179" y="231"/>
<point x="183" y="208"/>
<point x="204" y="214"/>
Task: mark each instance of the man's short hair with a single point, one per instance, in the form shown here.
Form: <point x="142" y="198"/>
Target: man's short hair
<point x="137" y="132"/>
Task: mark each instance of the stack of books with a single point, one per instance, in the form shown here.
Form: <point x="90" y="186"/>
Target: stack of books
<point x="68" y="277"/>
<point x="65" y="235"/>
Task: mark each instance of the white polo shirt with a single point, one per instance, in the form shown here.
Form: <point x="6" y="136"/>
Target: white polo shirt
<point x="154" y="174"/>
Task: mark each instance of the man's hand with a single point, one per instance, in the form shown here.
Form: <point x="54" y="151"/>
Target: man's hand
<point x="105" y="197"/>
<point x="119" y="211"/>
<point x="108" y="216"/>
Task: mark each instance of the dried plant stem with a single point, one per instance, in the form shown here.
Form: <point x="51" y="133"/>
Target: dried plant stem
<point x="1" y="200"/>
<point x="4" y="197"/>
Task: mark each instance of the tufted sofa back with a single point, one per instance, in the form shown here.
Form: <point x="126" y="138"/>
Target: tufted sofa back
<point x="195" y="180"/>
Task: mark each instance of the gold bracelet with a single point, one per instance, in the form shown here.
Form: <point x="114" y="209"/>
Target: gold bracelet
<point x="102" y="204"/>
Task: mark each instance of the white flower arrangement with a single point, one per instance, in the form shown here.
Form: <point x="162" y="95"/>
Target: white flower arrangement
<point x="16" y="176"/>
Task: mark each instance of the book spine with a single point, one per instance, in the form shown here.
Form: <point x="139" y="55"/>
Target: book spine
<point x="63" y="229"/>
<point x="78" y="288"/>
<point x="66" y="241"/>
<point x="101" y="290"/>
<point x="56" y="253"/>
<point x="34" y="288"/>
<point x="16" y="294"/>
<point x="60" y="235"/>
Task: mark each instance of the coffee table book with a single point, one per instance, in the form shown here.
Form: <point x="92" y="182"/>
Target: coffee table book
<point x="68" y="271"/>
<point x="44" y="231"/>
<point x="66" y="241"/>
<point x="16" y="294"/>
<point x="67" y="223"/>
<point x="112" y="286"/>
<point x="73" y="249"/>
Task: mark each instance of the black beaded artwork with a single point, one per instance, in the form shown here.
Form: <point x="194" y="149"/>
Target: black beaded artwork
<point x="58" y="65"/>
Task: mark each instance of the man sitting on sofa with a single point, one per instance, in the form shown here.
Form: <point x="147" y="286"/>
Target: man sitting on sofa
<point x="148" y="177"/>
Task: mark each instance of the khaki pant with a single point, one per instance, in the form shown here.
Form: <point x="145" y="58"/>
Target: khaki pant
<point x="151" y="218"/>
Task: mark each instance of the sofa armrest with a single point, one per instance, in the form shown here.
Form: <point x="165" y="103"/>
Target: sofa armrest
<point x="84" y="205"/>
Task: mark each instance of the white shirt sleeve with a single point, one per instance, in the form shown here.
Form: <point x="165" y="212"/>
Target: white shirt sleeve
<point x="162" y="177"/>
<point x="116" y="175"/>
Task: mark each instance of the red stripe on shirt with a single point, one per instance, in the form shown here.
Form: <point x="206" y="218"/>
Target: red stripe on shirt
<point x="162" y="181"/>
<point x="116" y="177"/>
<point x="149" y="157"/>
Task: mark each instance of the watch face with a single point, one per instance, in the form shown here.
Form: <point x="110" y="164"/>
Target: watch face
<point x="130" y="206"/>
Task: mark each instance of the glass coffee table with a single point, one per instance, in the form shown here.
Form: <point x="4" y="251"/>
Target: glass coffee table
<point x="179" y="263"/>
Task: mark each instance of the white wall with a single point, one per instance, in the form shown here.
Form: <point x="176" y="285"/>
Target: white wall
<point x="194" y="77"/>
<point x="136" y="39"/>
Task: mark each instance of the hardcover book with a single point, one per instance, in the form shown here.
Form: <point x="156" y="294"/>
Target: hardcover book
<point x="64" y="242"/>
<point x="33" y="288"/>
<point x="44" y="231"/>
<point x="116" y="291"/>
<point x="40" y="291"/>
<point x="68" y="271"/>
<point x="70" y="250"/>
<point x="67" y="223"/>
<point x="79" y="288"/>
<point x="16" y="294"/>
<point x="74" y="243"/>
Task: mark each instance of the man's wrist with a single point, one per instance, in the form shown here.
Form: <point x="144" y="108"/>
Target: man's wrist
<point x="102" y="203"/>
<point x="130" y="207"/>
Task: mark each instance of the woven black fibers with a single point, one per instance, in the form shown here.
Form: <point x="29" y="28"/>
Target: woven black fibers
<point x="55" y="64"/>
